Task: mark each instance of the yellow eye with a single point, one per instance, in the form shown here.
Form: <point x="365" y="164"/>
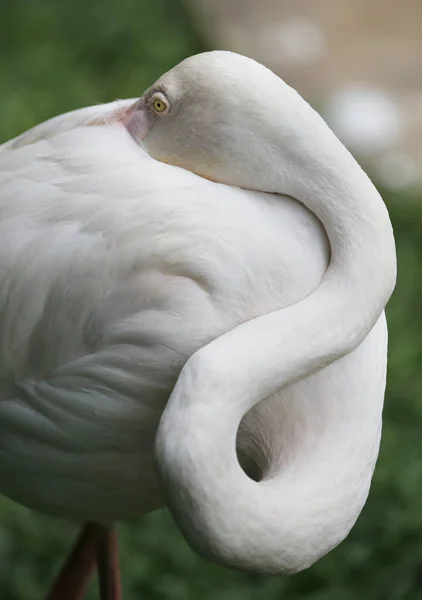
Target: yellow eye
<point x="159" y="105"/>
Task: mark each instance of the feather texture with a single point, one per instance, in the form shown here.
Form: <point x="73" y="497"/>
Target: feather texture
<point x="115" y="268"/>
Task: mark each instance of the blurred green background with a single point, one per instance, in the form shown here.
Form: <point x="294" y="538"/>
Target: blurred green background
<point x="56" y="56"/>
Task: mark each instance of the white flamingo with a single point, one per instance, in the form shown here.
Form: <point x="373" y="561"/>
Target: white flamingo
<point x="118" y="269"/>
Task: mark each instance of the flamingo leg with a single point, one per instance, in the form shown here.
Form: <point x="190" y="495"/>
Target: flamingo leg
<point x="108" y="564"/>
<point x="76" y="572"/>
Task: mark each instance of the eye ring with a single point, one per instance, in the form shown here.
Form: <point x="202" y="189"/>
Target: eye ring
<point x="159" y="104"/>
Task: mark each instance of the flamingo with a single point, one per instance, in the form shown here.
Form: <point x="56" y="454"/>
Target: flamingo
<point x="192" y="315"/>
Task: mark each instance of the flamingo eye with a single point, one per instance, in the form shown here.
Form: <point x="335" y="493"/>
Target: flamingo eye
<point x="160" y="104"/>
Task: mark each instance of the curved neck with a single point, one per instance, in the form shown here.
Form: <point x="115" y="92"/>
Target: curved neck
<point x="223" y="514"/>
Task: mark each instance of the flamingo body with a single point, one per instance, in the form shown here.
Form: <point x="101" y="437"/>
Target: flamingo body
<point x="140" y="297"/>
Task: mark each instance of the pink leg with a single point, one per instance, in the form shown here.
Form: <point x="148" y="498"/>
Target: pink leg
<point x="76" y="573"/>
<point x="108" y="564"/>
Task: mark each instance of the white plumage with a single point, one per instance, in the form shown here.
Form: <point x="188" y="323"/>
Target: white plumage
<point x="116" y="268"/>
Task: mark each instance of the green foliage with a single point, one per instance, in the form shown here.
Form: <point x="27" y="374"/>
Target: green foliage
<point x="55" y="56"/>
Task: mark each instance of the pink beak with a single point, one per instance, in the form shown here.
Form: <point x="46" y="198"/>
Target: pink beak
<point x="137" y="120"/>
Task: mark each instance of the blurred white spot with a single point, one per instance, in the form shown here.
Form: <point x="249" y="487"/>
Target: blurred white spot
<point x="398" y="170"/>
<point x="297" y="40"/>
<point x="366" y="119"/>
